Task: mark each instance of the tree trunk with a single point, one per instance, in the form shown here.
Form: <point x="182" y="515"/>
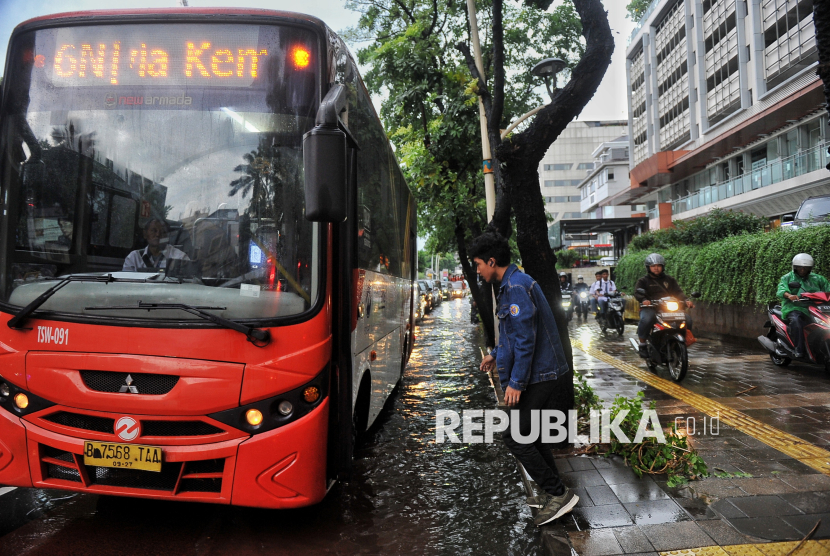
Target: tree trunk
<point x="821" y="19"/>
<point x="519" y="159"/>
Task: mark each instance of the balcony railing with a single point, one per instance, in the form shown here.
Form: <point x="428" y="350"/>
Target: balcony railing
<point x="643" y="19"/>
<point x="776" y="171"/>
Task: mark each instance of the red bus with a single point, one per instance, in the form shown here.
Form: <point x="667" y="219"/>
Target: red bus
<point x="207" y="256"/>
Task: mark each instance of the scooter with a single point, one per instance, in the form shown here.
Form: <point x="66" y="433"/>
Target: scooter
<point x="567" y="303"/>
<point x="613" y="317"/>
<point x="781" y="346"/>
<point x="667" y="340"/>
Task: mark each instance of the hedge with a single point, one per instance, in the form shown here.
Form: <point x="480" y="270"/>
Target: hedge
<point x="739" y="270"/>
<point x="715" y="225"/>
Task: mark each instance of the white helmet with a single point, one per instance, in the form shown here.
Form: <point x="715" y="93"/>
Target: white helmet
<point x="562" y="274"/>
<point x="803" y="259"/>
<point x="580" y="277"/>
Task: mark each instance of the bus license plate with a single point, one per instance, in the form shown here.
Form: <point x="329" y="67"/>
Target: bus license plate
<point x="122" y="456"/>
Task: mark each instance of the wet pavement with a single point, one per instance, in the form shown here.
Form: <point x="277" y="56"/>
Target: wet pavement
<point x="410" y="495"/>
<point x="755" y="494"/>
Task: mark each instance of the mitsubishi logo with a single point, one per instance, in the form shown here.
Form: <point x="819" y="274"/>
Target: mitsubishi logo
<point x="128" y="386"/>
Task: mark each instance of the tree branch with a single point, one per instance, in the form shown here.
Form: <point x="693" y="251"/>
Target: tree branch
<point x="529" y="146"/>
<point x="497" y="111"/>
<point x="483" y="92"/>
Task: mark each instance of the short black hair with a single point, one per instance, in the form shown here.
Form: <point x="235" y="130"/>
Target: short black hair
<point x="490" y="245"/>
<point x="160" y="221"/>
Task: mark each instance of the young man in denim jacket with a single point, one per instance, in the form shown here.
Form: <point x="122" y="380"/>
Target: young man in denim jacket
<point x="531" y="365"/>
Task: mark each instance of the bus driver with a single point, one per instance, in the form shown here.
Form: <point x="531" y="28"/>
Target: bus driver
<point x="153" y="256"/>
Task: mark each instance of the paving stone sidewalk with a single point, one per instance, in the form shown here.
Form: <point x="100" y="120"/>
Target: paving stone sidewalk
<point x="755" y="498"/>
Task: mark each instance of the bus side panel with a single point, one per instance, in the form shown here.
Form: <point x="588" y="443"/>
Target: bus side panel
<point x="378" y="340"/>
<point x="14" y="467"/>
<point x="286" y="467"/>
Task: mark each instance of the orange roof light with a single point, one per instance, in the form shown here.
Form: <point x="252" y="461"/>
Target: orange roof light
<point x="301" y="57"/>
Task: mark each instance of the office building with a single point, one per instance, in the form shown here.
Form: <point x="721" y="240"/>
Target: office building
<point x="725" y="109"/>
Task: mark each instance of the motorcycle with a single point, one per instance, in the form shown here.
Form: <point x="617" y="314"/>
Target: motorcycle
<point x="583" y="303"/>
<point x="614" y="312"/>
<point x="667" y="340"/>
<point x="567" y="303"/>
<point x="781" y="347"/>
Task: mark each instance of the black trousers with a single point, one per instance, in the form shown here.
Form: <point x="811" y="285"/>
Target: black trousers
<point x="797" y="321"/>
<point x="536" y="458"/>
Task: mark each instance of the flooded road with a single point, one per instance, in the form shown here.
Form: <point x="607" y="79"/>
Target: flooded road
<point x="408" y="495"/>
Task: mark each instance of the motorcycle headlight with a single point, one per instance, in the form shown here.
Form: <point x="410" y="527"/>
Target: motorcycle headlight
<point x="583" y="295"/>
<point x="672" y="305"/>
<point x="566" y="304"/>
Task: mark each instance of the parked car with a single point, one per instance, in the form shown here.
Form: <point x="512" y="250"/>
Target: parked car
<point x="813" y="210"/>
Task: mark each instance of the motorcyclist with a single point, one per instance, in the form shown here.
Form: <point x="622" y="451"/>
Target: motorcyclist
<point x="657" y="284"/>
<point x="795" y="315"/>
<point x="564" y="284"/>
<point x="599" y="290"/>
<point x="580" y="286"/>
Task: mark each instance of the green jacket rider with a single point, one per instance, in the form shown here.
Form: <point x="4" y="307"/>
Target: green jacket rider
<point x="797" y="316"/>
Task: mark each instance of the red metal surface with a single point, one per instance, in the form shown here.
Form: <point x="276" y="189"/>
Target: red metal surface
<point x="286" y="467"/>
<point x="203" y="386"/>
<point x="14" y="469"/>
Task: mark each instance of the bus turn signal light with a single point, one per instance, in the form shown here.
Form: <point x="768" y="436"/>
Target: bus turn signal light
<point x="311" y="394"/>
<point x="21" y="400"/>
<point x="301" y="57"/>
<point x="254" y="417"/>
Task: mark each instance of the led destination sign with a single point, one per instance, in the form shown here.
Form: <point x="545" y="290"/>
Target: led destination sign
<point x="197" y="55"/>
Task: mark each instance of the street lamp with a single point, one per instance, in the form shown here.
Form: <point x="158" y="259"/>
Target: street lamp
<point x="548" y="68"/>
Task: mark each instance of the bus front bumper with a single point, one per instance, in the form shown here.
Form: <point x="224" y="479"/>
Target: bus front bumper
<point x="282" y="468"/>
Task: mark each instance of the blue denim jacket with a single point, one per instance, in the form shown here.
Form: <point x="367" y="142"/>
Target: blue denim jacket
<point x="529" y="349"/>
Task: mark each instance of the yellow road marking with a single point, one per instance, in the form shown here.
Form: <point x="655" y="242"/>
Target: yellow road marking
<point x="806" y="453"/>
<point x="809" y="548"/>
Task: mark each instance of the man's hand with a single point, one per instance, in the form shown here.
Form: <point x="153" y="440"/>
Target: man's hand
<point x="689" y="304"/>
<point x="511" y="396"/>
<point x="646" y="302"/>
<point x="488" y="363"/>
<point x="791" y="297"/>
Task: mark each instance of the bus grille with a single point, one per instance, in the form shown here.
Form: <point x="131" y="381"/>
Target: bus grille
<point x="197" y="476"/>
<point x="109" y="381"/>
<point x="82" y="421"/>
<point x="148" y="428"/>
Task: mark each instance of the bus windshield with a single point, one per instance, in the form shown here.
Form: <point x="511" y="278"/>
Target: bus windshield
<point x="165" y="154"/>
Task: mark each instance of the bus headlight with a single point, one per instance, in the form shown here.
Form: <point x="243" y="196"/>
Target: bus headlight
<point x="311" y="394"/>
<point x="285" y="407"/>
<point x="254" y="417"/>
<point x="21" y="400"/>
<point x="4" y="390"/>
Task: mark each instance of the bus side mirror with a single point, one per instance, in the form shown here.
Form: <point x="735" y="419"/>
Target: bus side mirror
<point x="324" y="161"/>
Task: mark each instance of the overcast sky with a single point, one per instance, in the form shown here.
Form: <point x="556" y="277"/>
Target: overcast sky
<point x="609" y="103"/>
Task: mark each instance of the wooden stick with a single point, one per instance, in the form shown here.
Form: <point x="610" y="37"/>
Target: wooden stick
<point x="805" y="539"/>
<point x="747" y="390"/>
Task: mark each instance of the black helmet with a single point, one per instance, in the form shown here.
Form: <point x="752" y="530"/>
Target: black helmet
<point x="655" y="258"/>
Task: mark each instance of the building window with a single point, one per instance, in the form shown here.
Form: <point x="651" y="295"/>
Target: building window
<point x="585" y="166"/>
<point x="558" y="167"/>
<point x="610" y="174"/>
<point x="576" y="182"/>
<point x="574" y="198"/>
<point x="549" y="183"/>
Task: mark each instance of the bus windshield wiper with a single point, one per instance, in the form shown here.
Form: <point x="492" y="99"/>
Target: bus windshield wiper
<point x="256" y="336"/>
<point x="24" y="313"/>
